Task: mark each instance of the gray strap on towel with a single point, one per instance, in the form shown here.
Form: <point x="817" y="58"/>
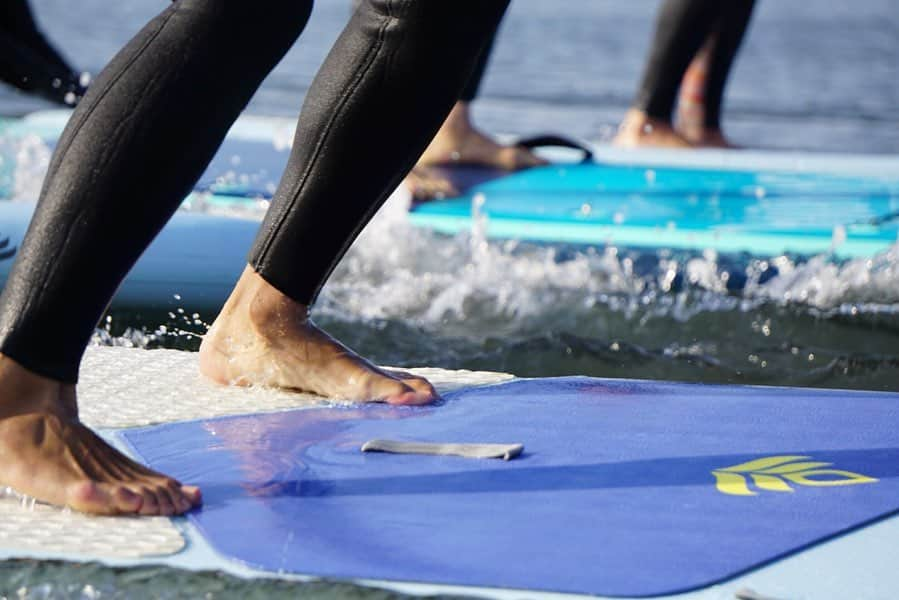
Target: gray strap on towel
<point x="503" y="451"/>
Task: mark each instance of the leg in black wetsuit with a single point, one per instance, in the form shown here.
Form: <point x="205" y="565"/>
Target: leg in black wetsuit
<point x="702" y="88"/>
<point x="29" y="62"/>
<point x="133" y="149"/>
<point x="682" y="27"/>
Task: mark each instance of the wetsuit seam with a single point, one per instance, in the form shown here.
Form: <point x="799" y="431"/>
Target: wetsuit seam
<point x="80" y="124"/>
<point x="366" y="215"/>
<point x="36" y="295"/>
<point x="275" y="229"/>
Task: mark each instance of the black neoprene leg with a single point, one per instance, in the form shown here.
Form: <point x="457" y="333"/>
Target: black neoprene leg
<point x="473" y="83"/>
<point x="157" y="113"/>
<point x="28" y="61"/>
<point x="729" y="32"/>
<point x="381" y="95"/>
<point x="681" y="28"/>
<point x="131" y="152"/>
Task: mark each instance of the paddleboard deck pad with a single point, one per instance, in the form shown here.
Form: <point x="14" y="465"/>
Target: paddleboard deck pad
<point x="624" y="488"/>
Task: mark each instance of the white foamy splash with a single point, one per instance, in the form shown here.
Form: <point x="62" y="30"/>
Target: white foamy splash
<point x="31" y="158"/>
<point x="396" y="270"/>
<point x="861" y="284"/>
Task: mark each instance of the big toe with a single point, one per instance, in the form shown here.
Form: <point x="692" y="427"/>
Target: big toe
<point x="422" y="386"/>
<point x="192" y="494"/>
<point x="412" y="397"/>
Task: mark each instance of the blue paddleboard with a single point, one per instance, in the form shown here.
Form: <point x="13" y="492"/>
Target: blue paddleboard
<point x="761" y="203"/>
<point x="764" y="213"/>
<point x="625" y="488"/>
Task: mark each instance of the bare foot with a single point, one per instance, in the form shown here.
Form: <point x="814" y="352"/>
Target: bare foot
<point x="701" y="137"/>
<point x="428" y="183"/>
<point x="46" y="452"/>
<point x="691" y="124"/>
<point x="459" y="142"/>
<point x="640" y="130"/>
<point x="262" y="337"/>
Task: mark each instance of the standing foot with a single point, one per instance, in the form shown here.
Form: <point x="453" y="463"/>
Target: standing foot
<point x="459" y="142"/>
<point x="640" y="130"/>
<point x="47" y="453"/>
<point x="701" y="137"/>
<point x="262" y="337"/>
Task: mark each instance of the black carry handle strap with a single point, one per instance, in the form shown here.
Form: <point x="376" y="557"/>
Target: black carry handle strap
<point x="555" y="141"/>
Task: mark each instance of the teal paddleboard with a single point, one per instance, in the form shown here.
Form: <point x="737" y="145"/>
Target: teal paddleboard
<point x="763" y="212"/>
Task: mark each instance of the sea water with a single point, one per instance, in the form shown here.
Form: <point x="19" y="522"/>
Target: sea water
<point x="812" y="76"/>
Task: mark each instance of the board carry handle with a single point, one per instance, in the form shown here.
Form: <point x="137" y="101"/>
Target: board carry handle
<point x="555" y="141"/>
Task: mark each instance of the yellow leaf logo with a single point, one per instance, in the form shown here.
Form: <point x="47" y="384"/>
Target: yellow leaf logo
<point x="776" y="473"/>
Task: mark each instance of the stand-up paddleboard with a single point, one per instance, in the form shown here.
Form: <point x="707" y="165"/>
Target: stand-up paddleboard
<point x="762" y="203"/>
<point x="623" y="488"/>
<point x="740" y="204"/>
<point x="193" y="263"/>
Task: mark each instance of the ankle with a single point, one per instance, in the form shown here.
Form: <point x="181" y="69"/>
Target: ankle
<point x="458" y="122"/>
<point x="640" y="123"/>
<point x="266" y="309"/>
<point x="23" y="391"/>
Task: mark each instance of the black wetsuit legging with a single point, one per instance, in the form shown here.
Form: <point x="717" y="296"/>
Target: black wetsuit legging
<point x="29" y="62"/>
<point x="470" y="90"/>
<point x="472" y="85"/>
<point x="155" y="116"/>
<point x="682" y="27"/>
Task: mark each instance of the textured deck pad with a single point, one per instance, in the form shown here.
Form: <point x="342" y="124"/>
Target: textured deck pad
<point x="625" y="487"/>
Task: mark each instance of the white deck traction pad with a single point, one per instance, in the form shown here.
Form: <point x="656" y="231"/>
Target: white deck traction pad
<point x="128" y="387"/>
<point x="125" y="387"/>
<point x="35" y="527"/>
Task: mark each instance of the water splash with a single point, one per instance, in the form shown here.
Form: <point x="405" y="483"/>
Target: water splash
<point x="31" y="158"/>
<point x="25" y="501"/>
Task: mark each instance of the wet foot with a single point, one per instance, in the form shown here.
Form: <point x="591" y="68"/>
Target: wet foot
<point x="459" y="142"/>
<point x="46" y="453"/>
<point x="691" y="124"/>
<point x="639" y="130"/>
<point x="264" y="338"/>
<point x="706" y="138"/>
<point x="429" y="183"/>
